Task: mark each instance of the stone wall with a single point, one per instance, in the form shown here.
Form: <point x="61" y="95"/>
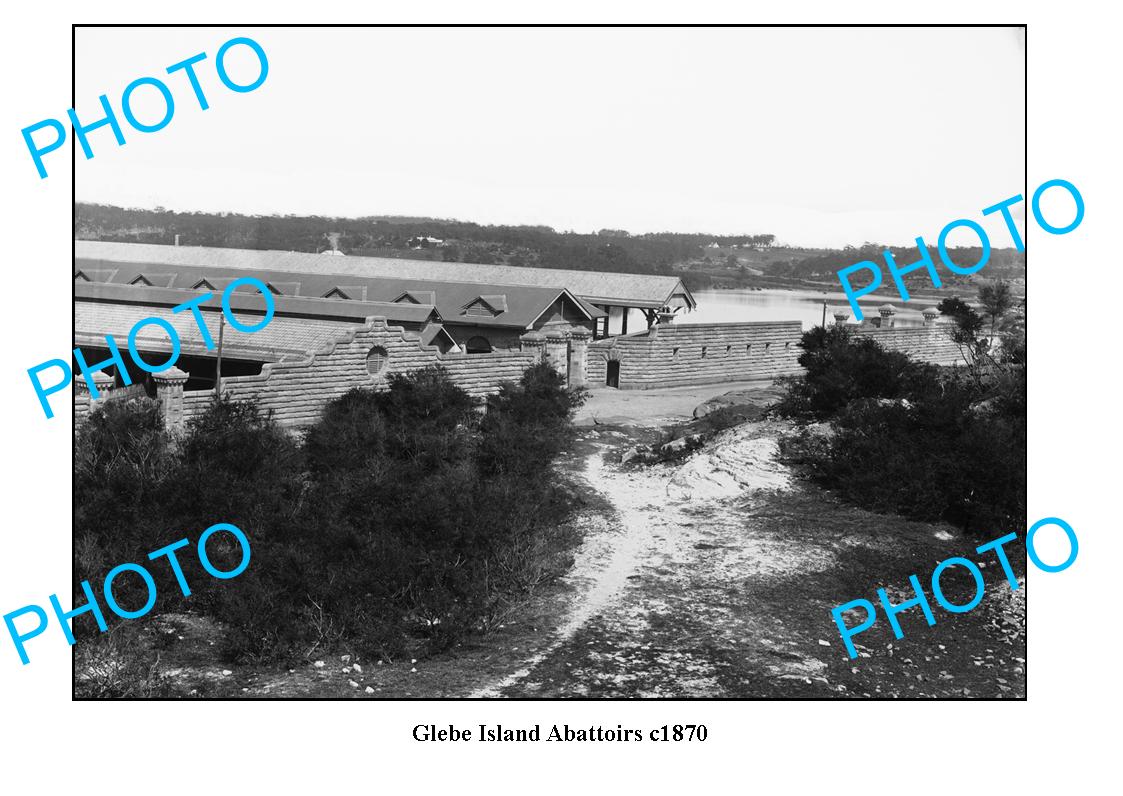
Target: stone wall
<point x="296" y="392"/>
<point x="929" y="343"/>
<point x="672" y="355"/>
<point x="481" y="374"/>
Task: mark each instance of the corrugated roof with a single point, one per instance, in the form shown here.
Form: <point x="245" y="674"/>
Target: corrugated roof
<point x="252" y="304"/>
<point x="524" y="305"/>
<point x="634" y="290"/>
<point x="282" y="338"/>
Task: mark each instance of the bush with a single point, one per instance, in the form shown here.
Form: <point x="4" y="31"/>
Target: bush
<point x="235" y="465"/>
<point x="841" y="367"/>
<point x="931" y="460"/>
<point x="403" y="521"/>
<point x="121" y="462"/>
<point x="527" y="424"/>
<point x="909" y="439"/>
<point x="119" y="665"/>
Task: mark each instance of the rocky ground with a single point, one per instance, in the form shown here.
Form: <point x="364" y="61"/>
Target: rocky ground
<point x="709" y="575"/>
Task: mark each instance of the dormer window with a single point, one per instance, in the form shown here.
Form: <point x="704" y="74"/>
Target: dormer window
<point x="214" y="283"/>
<point x="417" y="297"/>
<point x="153" y="280"/>
<point x="346" y="293"/>
<point x="94" y="275"/>
<point x="486" y="306"/>
<point x="284" y="288"/>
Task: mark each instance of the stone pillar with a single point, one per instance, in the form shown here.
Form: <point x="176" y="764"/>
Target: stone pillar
<point x="534" y="344"/>
<point x="557" y="351"/>
<point x="103" y="385"/>
<point x="169" y="392"/>
<point x="930" y="316"/>
<point x="841" y="316"/>
<point x="578" y="357"/>
<point x="886" y="311"/>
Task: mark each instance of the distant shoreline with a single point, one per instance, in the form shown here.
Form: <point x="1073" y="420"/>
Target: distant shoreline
<point x="838" y="297"/>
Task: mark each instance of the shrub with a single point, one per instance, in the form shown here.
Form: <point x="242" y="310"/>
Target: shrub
<point x="841" y="367"/>
<point x="911" y="440"/>
<point x="119" y="665"/>
<point x="402" y="522"/>
<point x="527" y="424"/>
<point x="234" y="465"/>
<point x="121" y="462"/>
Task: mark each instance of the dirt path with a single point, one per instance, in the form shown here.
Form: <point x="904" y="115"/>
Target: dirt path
<point x="713" y="577"/>
<point x="717" y="581"/>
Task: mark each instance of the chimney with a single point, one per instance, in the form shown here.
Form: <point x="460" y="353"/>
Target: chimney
<point x="930" y="316"/>
<point x="177" y="239"/>
<point x="886" y="311"/>
<point x="841" y="316"/>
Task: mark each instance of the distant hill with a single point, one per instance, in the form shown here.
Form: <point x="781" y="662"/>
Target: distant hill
<point x="701" y="259"/>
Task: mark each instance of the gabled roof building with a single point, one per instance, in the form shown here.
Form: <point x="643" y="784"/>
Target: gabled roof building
<point x="648" y="293"/>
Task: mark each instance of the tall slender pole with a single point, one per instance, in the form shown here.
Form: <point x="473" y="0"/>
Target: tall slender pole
<point x="824" y="315"/>
<point x="218" y="362"/>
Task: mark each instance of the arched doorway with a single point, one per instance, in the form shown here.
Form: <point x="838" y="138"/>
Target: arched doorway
<point x="612" y="373"/>
<point x="478" y="345"/>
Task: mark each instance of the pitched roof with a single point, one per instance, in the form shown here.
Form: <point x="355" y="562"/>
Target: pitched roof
<point x="282" y="338"/>
<point x="417" y="296"/>
<point x="249" y="302"/>
<point x="497" y="302"/>
<point x="434" y="331"/>
<point x="524" y="305"/>
<point x="601" y="287"/>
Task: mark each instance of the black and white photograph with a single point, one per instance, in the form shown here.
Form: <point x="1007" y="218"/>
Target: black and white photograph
<point x="519" y="398"/>
<point x="551" y="363"/>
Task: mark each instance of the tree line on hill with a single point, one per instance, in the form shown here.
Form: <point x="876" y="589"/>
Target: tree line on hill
<point x="459" y="241"/>
<point x="1005" y="263"/>
<point x="688" y="255"/>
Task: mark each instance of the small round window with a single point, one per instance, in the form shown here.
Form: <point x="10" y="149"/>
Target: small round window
<point x="377" y="360"/>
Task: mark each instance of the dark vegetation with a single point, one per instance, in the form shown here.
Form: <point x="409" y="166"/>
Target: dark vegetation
<point x="1004" y="264"/>
<point x="394" y="236"/>
<point x="912" y="439"/>
<point x="402" y="522"/>
<point x="737" y="261"/>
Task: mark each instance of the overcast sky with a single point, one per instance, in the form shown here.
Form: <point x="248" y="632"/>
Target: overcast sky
<point x="819" y="136"/>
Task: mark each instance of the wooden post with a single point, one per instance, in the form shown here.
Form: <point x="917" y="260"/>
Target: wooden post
<point x="624" y="322"/>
